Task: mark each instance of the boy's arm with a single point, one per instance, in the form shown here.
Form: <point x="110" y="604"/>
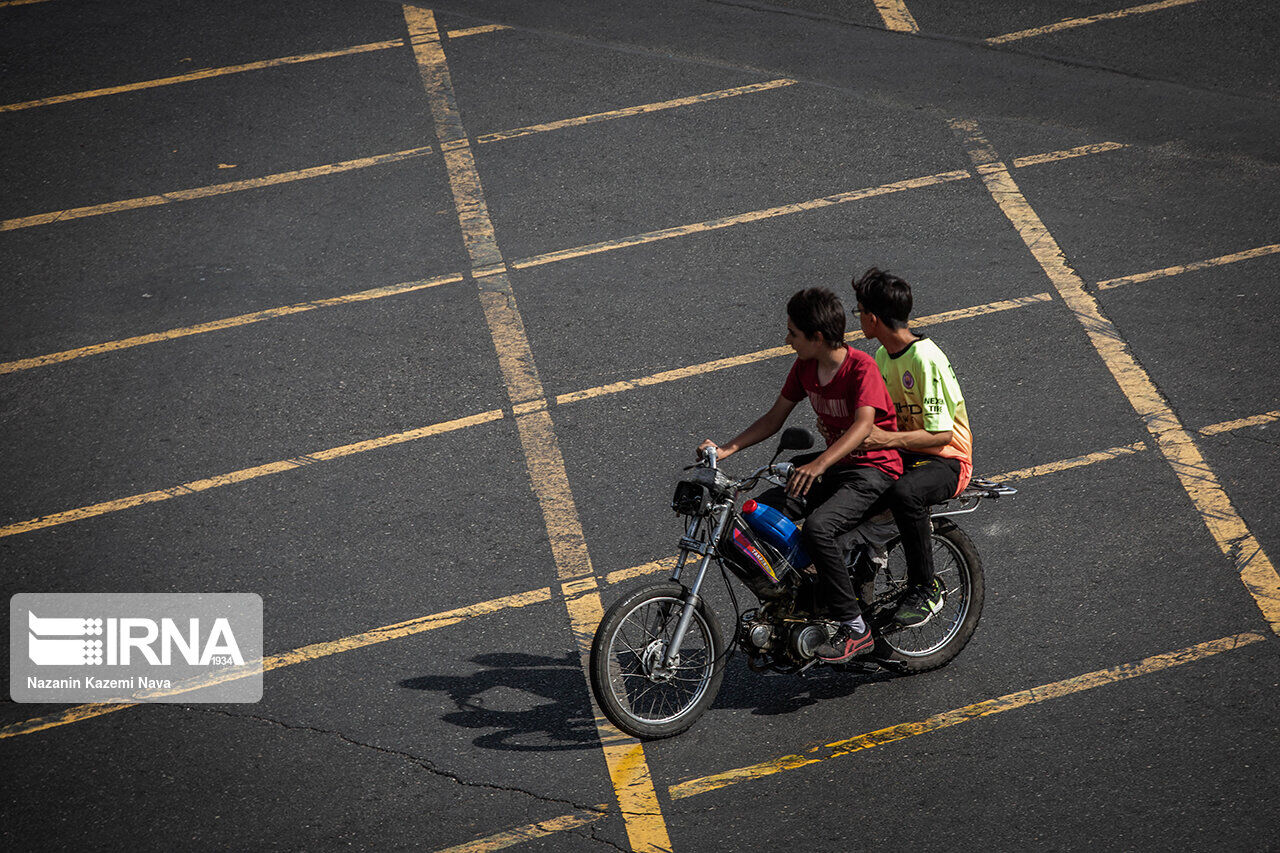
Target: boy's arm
<point x="916" y="439"/>
<point x="864" y="419"/>
<point x="764" y="426"/>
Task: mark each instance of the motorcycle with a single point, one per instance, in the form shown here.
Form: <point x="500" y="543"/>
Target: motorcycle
<point x="658" y="655"/>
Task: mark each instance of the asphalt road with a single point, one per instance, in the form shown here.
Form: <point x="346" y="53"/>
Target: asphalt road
<point x="462" y="439"/>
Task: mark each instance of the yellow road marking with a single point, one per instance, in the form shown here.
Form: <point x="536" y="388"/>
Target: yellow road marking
<point x="775" y="352"/>
<point x="1226" y="526"/>
<point x="1078" y="151"/>
<point x="740" y="219"/>
<point x="227" y="323"/>
<point x="381" y="159"/>
<point x="897" y="16"/>
<point x="881" y="737"/>
<point x="206" y="192"/>
<point x="207" y="73"/>
<point x="230" y="322"/>
<point x="202" y="74"/>
<point x="978" y="710"/>
<point x="519" y="835"/>
<point x="20" y="2"/>
<point x="666" y="564"/>
<point x="1241" y="423"/>
<point x="624" y="757"/>
<point x="316" y="651"/>
<point x="245" y="474"/>
<point x="1221" y="260"/>
<point x="1070" y="23"/>
<point x="475" y="31"/>
<point x="1076" y="462"/>
<point x="627" y="112"/>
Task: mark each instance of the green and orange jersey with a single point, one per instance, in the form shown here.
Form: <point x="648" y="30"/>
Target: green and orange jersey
<point x="927" y="396"/>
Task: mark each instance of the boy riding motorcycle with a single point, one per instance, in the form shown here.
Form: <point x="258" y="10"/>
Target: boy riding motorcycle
<point x="848" y="394"/>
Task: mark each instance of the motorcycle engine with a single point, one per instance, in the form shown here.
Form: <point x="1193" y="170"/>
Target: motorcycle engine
<point x="756" y="633"/>
<point x="805" y="639"/>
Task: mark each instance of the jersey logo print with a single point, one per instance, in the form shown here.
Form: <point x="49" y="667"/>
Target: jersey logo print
<point x="832" y="407"/>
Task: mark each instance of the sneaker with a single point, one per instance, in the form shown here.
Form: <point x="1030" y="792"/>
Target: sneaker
<point x="919" y="605"/>
<point x="846" y="644"/>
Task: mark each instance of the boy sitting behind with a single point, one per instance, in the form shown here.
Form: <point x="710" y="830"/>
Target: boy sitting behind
<point x="933" y="433"/>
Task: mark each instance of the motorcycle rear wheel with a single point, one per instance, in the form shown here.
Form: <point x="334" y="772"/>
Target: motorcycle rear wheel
<point x="937" y="642"/>
<point x="627" y="677"/>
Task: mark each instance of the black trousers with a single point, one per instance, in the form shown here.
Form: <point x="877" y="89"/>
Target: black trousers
<point x="926" y="480"/>
<point x="834" y="506"/>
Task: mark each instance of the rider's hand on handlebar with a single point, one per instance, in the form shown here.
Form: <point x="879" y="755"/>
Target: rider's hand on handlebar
<point x="803" y="478"/>
<point x="708" y="444"/>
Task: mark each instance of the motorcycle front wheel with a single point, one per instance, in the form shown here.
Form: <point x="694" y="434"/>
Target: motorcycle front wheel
<point x="634" y="688"/>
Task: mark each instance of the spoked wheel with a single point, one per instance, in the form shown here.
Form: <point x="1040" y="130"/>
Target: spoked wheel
<point x="938" y="641"/>
<point x="631" y="680"/>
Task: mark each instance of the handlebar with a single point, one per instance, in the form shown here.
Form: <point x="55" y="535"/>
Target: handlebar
<point x="709" y="454"/>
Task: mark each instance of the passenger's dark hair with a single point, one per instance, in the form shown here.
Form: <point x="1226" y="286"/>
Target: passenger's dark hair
<point x="886" y="296"/>
<point x="817" y="309"/>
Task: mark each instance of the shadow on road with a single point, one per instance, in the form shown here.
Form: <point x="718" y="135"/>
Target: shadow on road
<point x="774" y="694"/>
<point x="498" y="697"/>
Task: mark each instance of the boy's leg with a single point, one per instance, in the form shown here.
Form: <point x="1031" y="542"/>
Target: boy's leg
<point x="846" y="494"/>
<point x="925" y="481"/>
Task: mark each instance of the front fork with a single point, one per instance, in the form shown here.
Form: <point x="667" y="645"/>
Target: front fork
<point x="719" y="518"/>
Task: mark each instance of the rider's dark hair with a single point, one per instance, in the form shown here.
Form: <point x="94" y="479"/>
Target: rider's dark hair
<point x="886" y="296"/>
<point x="817" y="309"/>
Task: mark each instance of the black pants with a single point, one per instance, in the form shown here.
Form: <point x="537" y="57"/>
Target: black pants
<point x="925" y="481"/>
<point x="834" y="506"/>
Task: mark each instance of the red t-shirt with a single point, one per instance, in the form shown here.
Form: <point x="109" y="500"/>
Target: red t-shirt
<point x="857" y="383"/>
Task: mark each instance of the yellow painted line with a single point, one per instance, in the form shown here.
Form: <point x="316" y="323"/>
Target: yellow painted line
<point x="316" y="651"/>
<point x="628" y="769"/>
<point x="207" y="73"/>
<point x="230" y="322"/>
<point x="666" y="564"/>
<point x="202" y="74"/>
<point x="519" y="835"/>
<point x="1071" y="23"/>
<point x="1076" y="462"/>
<point x="976" y="711"/>
<point x="20" y="2"/>
<point x="1068" y="154"/>
<point x="227" y="323"/>
<point x="246" y="474"/>
<point x="740" y="219"/>
<point x="1241" y="423"/>
<point x="214" y="190"/>
<point x="775" y="352"/>
<point x="642" y="109"/>
<point x="1221" y="260"/>
<point x="475" y="31"/>
<point x="897" y="16"/>
<point x="881" y="737"/>
<point x="304" y="654"/>
<point x="1226" y="526"/>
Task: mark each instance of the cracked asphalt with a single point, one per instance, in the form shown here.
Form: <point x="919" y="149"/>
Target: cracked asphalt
<point x="217" y="275"/>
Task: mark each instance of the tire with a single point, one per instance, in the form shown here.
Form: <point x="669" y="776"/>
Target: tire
<point x="631" y="637"/>
<point x="937" y="642"/>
